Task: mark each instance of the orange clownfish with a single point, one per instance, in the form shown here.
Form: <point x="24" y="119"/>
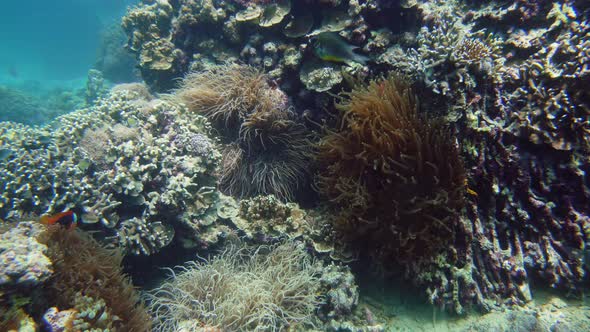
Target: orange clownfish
<point x="67" y="219"/>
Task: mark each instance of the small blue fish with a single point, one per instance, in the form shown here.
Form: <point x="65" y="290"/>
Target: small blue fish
<point x="329" y="46"/>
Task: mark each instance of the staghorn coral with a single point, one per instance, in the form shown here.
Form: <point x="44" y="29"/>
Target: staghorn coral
<point x="396" y="176"/>
<point x="267" y="150"/>
<point x="471" y="50"/>
<point x="82" y="265"/>
<point x="242" y="290"/>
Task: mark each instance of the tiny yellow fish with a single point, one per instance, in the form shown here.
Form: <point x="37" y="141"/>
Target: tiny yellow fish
<point x="469" y="190"/>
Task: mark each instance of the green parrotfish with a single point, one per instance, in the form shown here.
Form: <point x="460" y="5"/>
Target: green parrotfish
<point x="329" y="46"/>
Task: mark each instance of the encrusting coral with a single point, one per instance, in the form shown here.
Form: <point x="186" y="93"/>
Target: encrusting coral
<point x="396" y="176"/>
<point x="267" y="150"/>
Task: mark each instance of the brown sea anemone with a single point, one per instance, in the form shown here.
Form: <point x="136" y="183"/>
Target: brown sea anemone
<point x="268" y="164"/>
<point x="224" y="94"/>
<point x="267" y="149"/>
<point x="82" y="266"/>
<point x="395" y="176"/>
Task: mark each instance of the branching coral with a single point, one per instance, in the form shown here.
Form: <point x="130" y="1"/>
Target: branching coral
<point x="138" y="236"/>
<point x="264" y="290"/>
<point x="268" y="150"/>
<point x="128" y="157"/>
<point x="397" y="175"/>
<point x="82" y="265"/>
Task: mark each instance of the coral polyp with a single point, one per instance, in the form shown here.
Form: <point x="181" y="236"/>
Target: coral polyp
<point x="396" y="174"/>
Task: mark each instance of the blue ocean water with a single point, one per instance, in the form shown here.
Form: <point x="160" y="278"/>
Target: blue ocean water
<point x="49" y="46"/>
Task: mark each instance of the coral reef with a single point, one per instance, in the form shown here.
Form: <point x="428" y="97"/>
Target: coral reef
<point x="147" y="28"/>
<point x="95" y="86"/>
<point x="129" y="157"/>
<point x="267" y="150"/>
<point x="19" y="106"/>
<point x="33" y="103"/>
<point x="472" y="218"/>
<point x="521" y="114"/>
<point x="265" y="218"/>
<point x="265" y="290"/>
<point x="164" y="35"/>
<point x="395" y="176"/>
<point x="116" y="63"/>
